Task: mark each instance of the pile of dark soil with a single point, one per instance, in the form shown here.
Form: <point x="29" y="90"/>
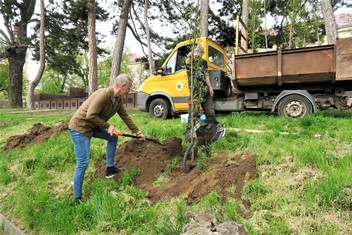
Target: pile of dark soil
<point x="37" y="134"/>
<point x="223" y="172"/>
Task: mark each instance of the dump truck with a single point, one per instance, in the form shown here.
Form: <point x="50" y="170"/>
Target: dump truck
<point x="291" y="83"/>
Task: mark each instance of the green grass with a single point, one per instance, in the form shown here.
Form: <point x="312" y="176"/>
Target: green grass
<point x="303" y="184"/>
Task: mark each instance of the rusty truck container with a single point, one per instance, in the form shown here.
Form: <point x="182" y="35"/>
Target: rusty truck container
<point x="312" y="65"/>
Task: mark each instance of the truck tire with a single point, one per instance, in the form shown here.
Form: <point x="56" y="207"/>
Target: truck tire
<point x="228" y="90"/>
<point x="160" y="108"/>
<point x="295" y="106"/>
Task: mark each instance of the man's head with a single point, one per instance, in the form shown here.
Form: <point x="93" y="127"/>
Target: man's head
<point x="122" y="85"/>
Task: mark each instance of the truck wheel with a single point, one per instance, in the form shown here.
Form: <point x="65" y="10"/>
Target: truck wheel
<point x="295" y="106"/>
<point x="228" y="91"/>
<point x="160" y="108"/>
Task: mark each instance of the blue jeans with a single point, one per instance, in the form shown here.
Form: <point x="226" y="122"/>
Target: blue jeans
<point x="82" y="148"/>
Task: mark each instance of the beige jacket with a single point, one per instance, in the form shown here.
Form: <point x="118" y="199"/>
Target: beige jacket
<point x="97" y="110"/>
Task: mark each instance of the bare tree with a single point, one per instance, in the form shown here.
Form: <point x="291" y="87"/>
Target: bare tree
<point x="204" y="18"/>
<point x="329" y="21"/>
<point x="120" y="40"/>
<point x="92" y="44"/>
<point x="33" y="84"/>
<point x="147" y="29"/>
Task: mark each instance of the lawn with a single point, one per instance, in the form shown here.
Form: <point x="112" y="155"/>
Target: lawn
<point x="303" y="185"/>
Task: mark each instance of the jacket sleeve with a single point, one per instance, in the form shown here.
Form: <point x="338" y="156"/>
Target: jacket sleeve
<point x="95" y="108"/>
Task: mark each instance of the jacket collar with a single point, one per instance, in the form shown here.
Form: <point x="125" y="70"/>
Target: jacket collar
<point x="111" y="94"/>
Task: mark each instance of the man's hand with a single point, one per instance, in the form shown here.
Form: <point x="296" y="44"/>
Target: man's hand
<point x="140" y="135"/>
<point x="210" y="88"/>
<point x="211" y="92"/>
<point x="111" y="130"/>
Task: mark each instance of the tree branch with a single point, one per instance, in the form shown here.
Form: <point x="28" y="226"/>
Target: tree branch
<point x="5" y="38"/>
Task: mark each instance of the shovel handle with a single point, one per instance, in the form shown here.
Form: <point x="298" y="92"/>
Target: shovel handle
<point x="117" y="133"/>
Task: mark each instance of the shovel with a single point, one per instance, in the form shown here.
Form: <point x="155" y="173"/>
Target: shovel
<point x="117" y="133"/>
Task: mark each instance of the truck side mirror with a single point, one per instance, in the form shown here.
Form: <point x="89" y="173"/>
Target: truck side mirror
<point x="160" y="71"/>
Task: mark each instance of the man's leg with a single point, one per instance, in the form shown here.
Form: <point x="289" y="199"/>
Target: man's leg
<point x="81" y="147"/>
<point x="209" y="109"/>
<point x="110" y="147"/>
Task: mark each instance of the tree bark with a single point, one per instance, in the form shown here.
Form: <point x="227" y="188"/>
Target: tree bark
<point x="92" y="43"/>
<point x="120" y="40"/>
<point x="329" y="21"/>
<point x="204" y="18"/>
<point x="16" y="47"/>
<point x="33" y="84"/>
<point x="16" y="58"/>
<point x="245" y="11"/>
<point x="265" y="27"/>
<point x="147" y="29"/>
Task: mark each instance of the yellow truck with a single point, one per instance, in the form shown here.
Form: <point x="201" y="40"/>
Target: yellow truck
<point x="291" y="83"/>
<point x="167" y="93"/>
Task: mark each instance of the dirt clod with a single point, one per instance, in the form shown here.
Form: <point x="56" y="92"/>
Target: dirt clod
<point x="37" y="134"/>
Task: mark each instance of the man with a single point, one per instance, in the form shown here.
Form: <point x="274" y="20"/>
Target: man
<point x="90" y="120"/>
<point x="202" y="90"/>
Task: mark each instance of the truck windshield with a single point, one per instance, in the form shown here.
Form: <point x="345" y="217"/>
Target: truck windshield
<point x="177" y="61"/>
<point x="215" y="57"/>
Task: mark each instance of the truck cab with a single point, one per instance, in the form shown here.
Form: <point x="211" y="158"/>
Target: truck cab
<point x="166" y="93"/>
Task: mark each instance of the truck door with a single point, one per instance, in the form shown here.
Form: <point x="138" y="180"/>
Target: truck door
<point x="174" y="81"/>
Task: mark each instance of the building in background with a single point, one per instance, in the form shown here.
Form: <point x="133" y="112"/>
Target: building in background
<point x="138" y="70"/>
<point x="344" y="25"/>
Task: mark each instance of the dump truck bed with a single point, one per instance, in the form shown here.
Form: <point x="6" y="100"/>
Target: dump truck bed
<point x="312" y="65"/>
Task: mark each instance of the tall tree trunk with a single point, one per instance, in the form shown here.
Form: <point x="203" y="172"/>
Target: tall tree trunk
<point x="16" y="45"/>
<point x="266" y="27"/>
<point x="244" y="16"/>
<point x="16" y="58"/>
<point x="147" y="29"/>
<point x="92" y="43"/>
<point x="33" y="84"/>
<point x="329" y="21"/>
<point x="204" y="18"/>
<point x="120" y="40"/>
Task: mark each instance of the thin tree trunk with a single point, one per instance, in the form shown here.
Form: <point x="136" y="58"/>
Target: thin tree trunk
<point x="33" y="84"/>
<point x="316" y="21"/>
<point x="120" y="40"/>
<point x="290" y="37"/>
<point x="329" y="20"/>
<point x="16" y="58"/>
<point x="245" y="11"/>
<point x="204" y="18"/>
<point x="92" y="43"/>
<point x="147" y="29"/>
<point x="266" y="27"/>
